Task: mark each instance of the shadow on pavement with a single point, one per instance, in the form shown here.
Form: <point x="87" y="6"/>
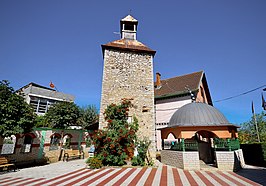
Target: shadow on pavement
<point x="257" y="175"/>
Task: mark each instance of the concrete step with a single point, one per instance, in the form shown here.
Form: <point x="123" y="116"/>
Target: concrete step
<point x="207" y="167"/>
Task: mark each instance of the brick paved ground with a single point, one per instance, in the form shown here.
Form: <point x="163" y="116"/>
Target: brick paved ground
<point x="75" y="173"/>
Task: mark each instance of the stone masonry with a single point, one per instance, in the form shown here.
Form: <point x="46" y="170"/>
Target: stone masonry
<point x="130" y="75"/>
<point x="225" y="160"/>
<point x="183" y="160"/>
<point x="230" y="160"/>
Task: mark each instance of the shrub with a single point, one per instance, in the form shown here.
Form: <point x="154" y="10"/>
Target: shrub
<point x="94" y="163"/>
<point x="254" y="154"/>
<point x="137" y="161"/>
<point x="141" y="159"/>
<point x="116" y="144"/>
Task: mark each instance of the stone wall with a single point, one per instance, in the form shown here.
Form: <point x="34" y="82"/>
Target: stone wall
<point x="129" y="75"/>
<point x="183" y="160"/>
<point x="239" y="159"/>
<point x="225" y="160"/>
<point x="173" y="158"/>
<point x="230" y="160"/>
<point x="191" y="160"/>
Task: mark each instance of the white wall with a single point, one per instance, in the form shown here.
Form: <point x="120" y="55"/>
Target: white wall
<point x="167" y="107"/>
<point x="164" y="110"/>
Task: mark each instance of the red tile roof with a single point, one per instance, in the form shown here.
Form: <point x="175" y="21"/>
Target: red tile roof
<point x="177" y="85"/>
<point x="128" y="44"/>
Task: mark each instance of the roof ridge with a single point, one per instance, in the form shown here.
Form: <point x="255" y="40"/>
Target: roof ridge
<point x="202" y="71"/>
<point x="37" y="85"/>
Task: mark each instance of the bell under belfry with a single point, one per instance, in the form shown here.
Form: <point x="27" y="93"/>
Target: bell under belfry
<point x="128" y="74"/>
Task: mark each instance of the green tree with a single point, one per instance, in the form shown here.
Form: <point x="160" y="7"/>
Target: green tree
<point x="248" y="133"/>
<point x="88" y="116"/>
<point x="40" y="121"/>
<point x="16" y="116"/>
<point x="116" y="144"/>
<point x="62" y="115"/>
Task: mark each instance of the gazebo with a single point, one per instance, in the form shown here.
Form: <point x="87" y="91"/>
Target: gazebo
<point x="198" y="132"/>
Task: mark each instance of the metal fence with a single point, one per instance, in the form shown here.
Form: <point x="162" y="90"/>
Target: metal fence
<point x="226" y="144"/>
<point x="219" y="144"/>
<point x="181" y="145"/>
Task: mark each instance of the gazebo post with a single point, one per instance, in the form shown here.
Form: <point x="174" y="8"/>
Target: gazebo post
<point x="229" y="145"/>
<point x="183" y="144"/>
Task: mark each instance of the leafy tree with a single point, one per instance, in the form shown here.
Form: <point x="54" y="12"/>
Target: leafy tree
<point x="88" y="116"/>
<point x="62" y="115"/>
<point x="16" y="116"/>
<point x="115" y="145"/>
<point x="40" y="121"/>
<point x="248" y="133"/>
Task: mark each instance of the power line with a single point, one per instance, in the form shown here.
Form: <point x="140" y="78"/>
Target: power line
<point x="240" y="94"/>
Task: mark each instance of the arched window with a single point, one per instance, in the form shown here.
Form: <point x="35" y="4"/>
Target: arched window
<point x="171" y="136"/>
<point x="28" y="139"/>
<point x="171" y="140"/>
<point x="55" y="141"/>
<point x="67" y="141"/>
<point x="9" y="145"/>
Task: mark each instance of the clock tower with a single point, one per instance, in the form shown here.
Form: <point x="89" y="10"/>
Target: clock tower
<point x="128" y="73"/>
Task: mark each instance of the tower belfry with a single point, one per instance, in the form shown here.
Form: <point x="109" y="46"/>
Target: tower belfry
<point x="128" y="27"/>
<point x="128" y="73"/>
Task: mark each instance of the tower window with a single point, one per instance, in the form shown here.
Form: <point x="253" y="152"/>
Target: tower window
<point x="54" y="142"/>
<point x="129" y="27"/>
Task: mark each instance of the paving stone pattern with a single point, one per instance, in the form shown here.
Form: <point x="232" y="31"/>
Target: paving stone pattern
<point x="76" y="173"/>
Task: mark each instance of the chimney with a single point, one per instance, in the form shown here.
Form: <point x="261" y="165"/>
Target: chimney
<point x="158" y="80"/>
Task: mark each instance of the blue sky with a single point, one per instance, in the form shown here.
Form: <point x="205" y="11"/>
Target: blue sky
<point x="60" y="41"/>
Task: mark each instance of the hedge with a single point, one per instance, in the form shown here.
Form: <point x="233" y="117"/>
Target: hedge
<point x="254" y="154"/>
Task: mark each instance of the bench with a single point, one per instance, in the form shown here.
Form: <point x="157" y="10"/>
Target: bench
<point x="70" y="153"/>
<point x="4" y="164"/>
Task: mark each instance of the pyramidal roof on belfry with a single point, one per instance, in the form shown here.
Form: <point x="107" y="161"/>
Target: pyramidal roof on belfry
<point x="129" y="18"/>
<point x="126" y="44"/>
<point x="131" y="44"/>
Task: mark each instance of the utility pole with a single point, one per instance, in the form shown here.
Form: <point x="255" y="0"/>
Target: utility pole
<point x="255" y="122"/>
<point x="256" y="125"/>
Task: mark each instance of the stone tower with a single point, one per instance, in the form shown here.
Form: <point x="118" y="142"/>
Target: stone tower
<point x="128" y="73"/>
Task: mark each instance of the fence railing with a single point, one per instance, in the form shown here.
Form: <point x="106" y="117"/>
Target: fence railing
<point x="184" y="145"/>
<point x="181" y="145"/>
<point x="226" y="144"/>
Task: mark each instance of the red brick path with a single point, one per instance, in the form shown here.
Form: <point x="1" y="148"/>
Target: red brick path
<point x="164" y="175"/>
